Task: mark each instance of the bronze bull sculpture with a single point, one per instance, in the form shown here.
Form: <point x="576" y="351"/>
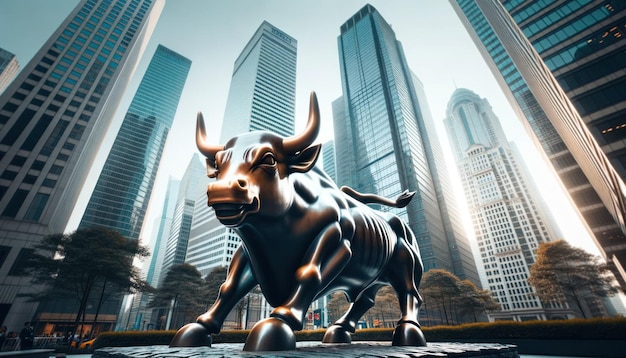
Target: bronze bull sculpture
<point x="302" y="238"/>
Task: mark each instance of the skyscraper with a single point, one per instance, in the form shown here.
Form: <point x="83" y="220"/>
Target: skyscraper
<point x="9" y="67"/>
<point x="261" y="97"/>
<point x="152" y="268"/>
<point x="120" y="198"/>
<point x="192" y="184"/>
<point x="53" y="119"/>
<point x="386" y="141"/>
<point x="509" y="218"/>
<point x="262" y="89"/>
<point x="328" y="159"/>
<point x="560" y="65"/>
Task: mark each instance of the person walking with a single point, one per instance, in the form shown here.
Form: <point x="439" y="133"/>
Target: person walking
<point x="3" y="336"/>
<point x="27" y="336"/>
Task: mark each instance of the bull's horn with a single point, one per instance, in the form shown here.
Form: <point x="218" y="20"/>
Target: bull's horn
<point x="299" y="142"/>
<point x="205" y="148"/>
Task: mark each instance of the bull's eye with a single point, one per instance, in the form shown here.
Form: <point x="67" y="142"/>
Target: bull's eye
<point x="267" y="162"/>
<point x="268" y="159"/>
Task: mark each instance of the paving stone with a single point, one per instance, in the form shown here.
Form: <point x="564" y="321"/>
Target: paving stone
<point x="317" y="349"/>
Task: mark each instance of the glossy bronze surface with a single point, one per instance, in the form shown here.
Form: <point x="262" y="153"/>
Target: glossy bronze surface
<point x="302" y="238"/>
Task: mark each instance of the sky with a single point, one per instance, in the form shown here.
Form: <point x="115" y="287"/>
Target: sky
<point x="213" y="33"/>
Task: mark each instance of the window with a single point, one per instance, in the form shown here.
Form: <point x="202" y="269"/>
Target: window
<point x="15" y="203"/>
<point x="36" y="207"/>
<point x="21" y="262"/>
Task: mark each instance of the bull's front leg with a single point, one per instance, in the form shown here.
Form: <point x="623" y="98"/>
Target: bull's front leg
<point x="325" y="259"/>
<point x="239" y="281"/>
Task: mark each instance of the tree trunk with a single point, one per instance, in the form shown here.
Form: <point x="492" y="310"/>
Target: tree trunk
<point x="100" y="300"/>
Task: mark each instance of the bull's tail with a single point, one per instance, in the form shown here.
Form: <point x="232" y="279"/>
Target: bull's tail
<point x="401" y="201"/>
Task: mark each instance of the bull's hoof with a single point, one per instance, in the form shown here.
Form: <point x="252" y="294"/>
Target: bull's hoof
<point x="192" y="335"/>
<point x="337" y="334"/>
<point x="270" y="334"/>
<point x="408" y="334"/>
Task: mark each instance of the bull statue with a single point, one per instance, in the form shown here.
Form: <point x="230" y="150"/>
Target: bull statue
<point x="302" y="238"/>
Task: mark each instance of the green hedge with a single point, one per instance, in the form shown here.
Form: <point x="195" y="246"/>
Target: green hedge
<point x="600" y="329"/>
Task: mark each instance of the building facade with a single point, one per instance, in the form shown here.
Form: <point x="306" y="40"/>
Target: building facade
<point x="386" y="142"/>
<point x="261" y="97"/>
<point x="328" y="160"/>
<point x="53" y="119"/>
<point x="120" y="198"/>
<point x="559" y="65"/>
<point x="193" y="183"/>
<point x="263" y="86"/>
<point x="9" y="67"/>
<point x="509" y="218"/>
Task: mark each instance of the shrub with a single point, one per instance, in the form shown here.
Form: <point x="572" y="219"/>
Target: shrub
<point x="576" y="329"/>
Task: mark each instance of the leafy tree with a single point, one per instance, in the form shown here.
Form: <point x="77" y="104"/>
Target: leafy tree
<point x="564" y="273"/>
<point x="474" y="301"/>
<point x="86" y="264"/>
<point x="337" y="305"/>
<point x="440" y="290"/>
<point x="214" y="280"/>
<point x="184" y="290"/>
<point x="452" y="299"/>
<point x="386" y="307"/>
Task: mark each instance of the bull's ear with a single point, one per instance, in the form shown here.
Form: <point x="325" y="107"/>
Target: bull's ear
<point x="211" y="169"/>
<point x="305" y="160"/>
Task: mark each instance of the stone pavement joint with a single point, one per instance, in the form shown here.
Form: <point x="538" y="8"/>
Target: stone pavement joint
<point x="317" y="349"/>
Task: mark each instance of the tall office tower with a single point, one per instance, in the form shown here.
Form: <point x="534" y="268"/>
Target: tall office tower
<point x="53" y="119"/>
<point x="561" y="66"/>
<point x="193" y="183"/>
<point x="262" y="89"/>
<point x="158" y="244"/>
<point x="386" y="141"/>
<point x="159" y="240"/>
<point x="508" y="216"/>
<point x="9" y="67"/>
<point x="261" y="97"/>
<point x="120" y="198"/>
<point x="328" y="159"/>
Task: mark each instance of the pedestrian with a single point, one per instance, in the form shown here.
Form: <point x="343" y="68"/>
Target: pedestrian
<point x="27" y="336"/>
<point x="3" y="336"/>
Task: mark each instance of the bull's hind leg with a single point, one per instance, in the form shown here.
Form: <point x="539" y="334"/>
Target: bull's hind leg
<point x="405" y="274"/>
<point x="339" y="332"/>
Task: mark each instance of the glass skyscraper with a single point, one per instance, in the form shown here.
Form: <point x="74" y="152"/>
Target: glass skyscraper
<point x="53" y="119"/>
<point x="193" y="183"/>
<point x="560" y="65"/>
<point x="120" y="198"/>
<point x="509" y="218"/>
<point x="386" y="142"/>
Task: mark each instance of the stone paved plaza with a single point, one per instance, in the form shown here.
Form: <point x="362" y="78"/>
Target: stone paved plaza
<point x="316" y="349"/>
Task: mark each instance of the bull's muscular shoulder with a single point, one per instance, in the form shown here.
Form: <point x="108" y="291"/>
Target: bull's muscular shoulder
<point x="306" y="187"/>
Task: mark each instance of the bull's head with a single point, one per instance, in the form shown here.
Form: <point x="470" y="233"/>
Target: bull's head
<point x="252" y="169"/>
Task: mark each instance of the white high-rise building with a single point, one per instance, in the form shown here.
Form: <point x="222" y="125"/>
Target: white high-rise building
<point x="9" y="67"/>
<point x="508" y="217"/>
<point x="261" y="97"/>
<point x="193" y="183"/>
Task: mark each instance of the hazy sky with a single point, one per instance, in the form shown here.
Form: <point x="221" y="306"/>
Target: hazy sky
<point x="213" y="33"/>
